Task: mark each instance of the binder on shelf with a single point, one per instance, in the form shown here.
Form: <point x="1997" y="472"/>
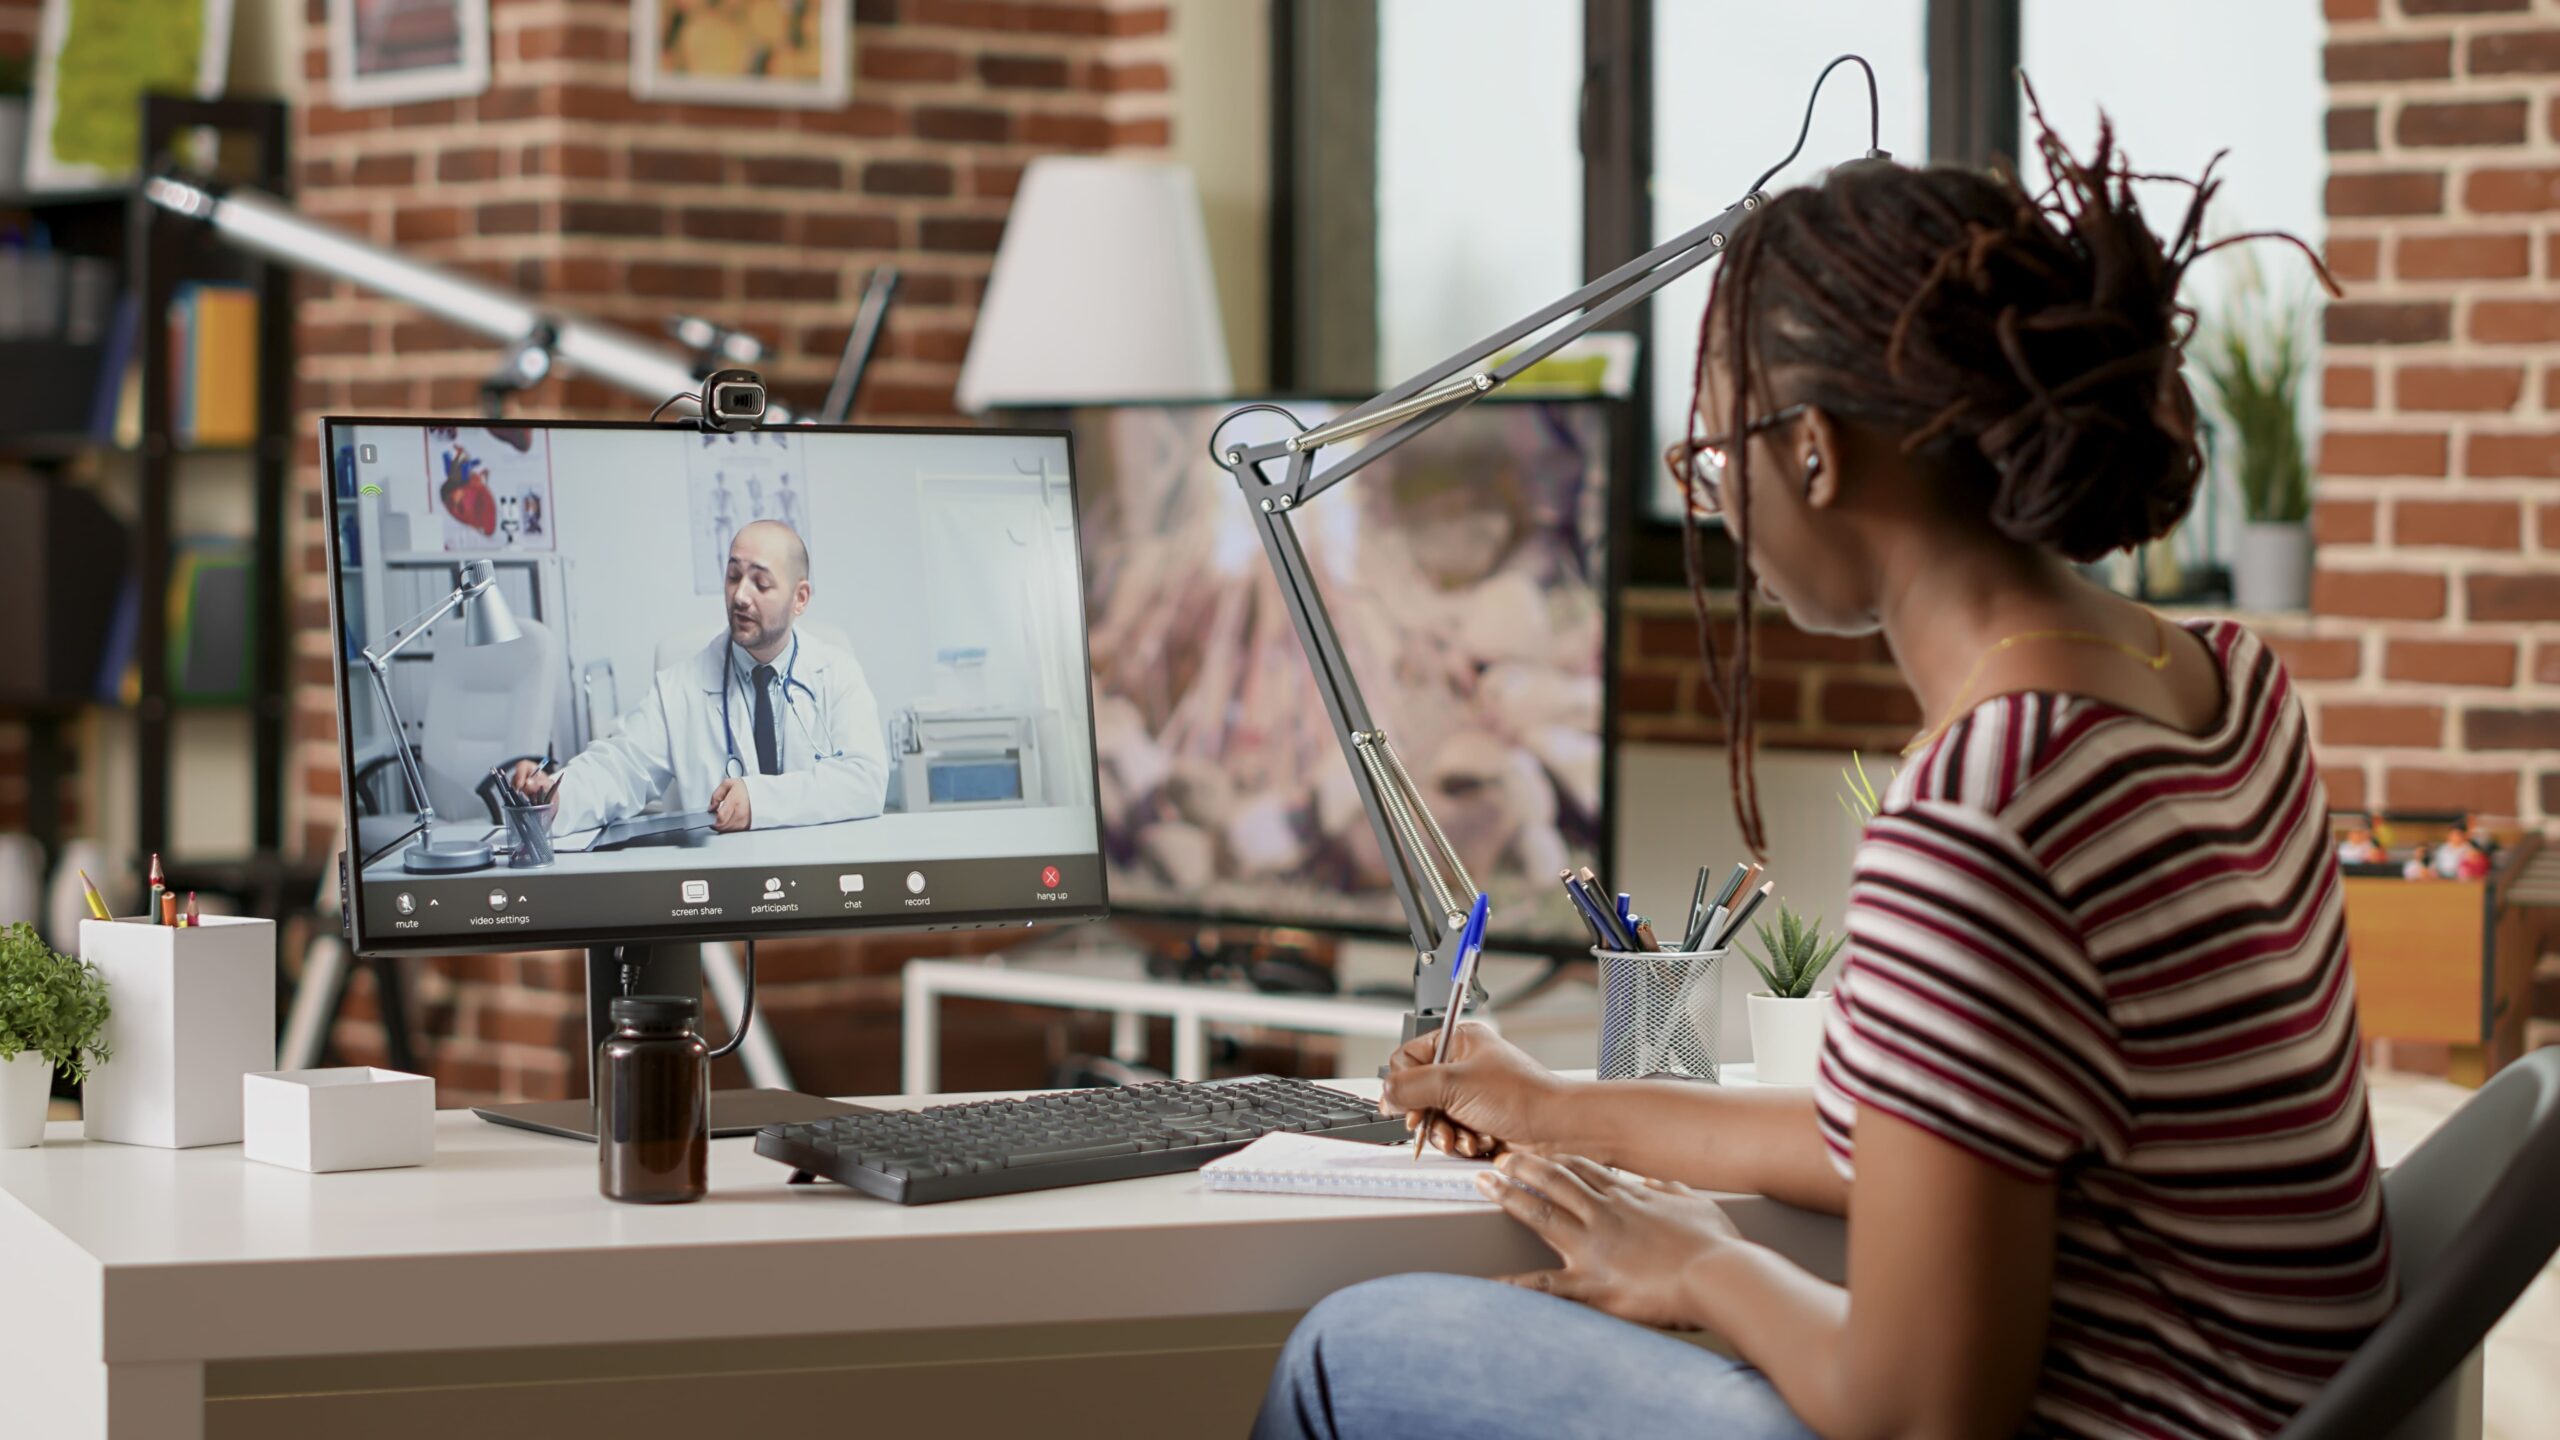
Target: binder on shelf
<point x="211" y="642"/>
<point x="213" y="364"/>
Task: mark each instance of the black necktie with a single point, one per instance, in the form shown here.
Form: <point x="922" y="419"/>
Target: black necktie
<point x="767" y="762"/>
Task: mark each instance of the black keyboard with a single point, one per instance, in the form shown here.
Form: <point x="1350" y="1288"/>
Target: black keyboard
<point x="1070" y="1137"/>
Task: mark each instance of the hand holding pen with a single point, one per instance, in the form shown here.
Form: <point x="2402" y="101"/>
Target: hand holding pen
<point x="1461" y="980"/>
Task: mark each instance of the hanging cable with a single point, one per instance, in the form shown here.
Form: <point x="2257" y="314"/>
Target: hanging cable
<point x="746" y="1010"/>
<point x="1875" y="118"/>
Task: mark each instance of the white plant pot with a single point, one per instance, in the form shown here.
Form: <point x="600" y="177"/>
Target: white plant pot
<point x="2271" y="570"/>
<point x="26" y="1082"/>
<point x="1786" y="1035"/>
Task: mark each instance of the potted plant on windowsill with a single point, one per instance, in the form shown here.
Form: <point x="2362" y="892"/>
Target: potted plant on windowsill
<point x="2254" y="358"/>
<point x="53" y="1010"/>
<point x="1786" y="1018"/>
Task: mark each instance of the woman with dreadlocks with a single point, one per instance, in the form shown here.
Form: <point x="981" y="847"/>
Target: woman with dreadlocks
<point x="2090" y="1092"/>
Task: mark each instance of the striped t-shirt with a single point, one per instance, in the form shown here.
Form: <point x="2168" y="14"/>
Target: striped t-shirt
<point x="2092" y="949"/>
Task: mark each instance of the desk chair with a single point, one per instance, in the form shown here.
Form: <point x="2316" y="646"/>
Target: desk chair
<point x="486" y="705"/>
<point x="2475" y="1215"/>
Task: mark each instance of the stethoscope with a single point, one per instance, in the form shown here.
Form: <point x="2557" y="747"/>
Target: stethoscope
<point x="735" y="766"/>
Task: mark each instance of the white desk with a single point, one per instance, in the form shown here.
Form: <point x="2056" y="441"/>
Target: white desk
<point x="185" y="1294"/>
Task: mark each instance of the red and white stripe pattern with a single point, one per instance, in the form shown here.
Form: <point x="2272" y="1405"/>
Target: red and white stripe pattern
<point x="2089" y="948"/>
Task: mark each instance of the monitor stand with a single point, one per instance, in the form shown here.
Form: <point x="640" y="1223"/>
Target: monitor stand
<point x="669" y="969"/>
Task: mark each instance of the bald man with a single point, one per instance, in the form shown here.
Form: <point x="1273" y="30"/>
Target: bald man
<point x="765" y="727"/>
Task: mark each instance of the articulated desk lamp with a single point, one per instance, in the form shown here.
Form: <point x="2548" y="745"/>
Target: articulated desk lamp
<point x="1431" y="880"/>
<point x="486" y="620"/>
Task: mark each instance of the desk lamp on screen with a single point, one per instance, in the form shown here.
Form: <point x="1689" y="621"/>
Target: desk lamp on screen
<point x="486" y="620"/>
<point x="1277" y="477"/>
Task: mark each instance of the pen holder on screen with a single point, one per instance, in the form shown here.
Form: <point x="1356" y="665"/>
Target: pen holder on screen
<point x="529" y="828"/>
<point x="192" y="1009"/>
<point x="1659" y="1013"/>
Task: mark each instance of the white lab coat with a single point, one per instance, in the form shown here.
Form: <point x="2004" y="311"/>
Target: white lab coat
<point x="835" y="765"/>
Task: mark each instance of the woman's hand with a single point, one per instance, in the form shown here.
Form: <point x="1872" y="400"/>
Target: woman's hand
<point x="1628" y="1244"/>
<point x="1488" y="1095"/>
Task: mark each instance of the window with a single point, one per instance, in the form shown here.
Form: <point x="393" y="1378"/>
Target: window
<point x="1717" y="123"/>
<point x="1479" y="189"/>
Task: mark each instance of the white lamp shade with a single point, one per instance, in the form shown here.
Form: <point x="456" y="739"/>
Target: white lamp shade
<point x="1102" y="291"/>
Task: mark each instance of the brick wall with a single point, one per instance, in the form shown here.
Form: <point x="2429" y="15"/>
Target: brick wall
<point x="559" y="183"/>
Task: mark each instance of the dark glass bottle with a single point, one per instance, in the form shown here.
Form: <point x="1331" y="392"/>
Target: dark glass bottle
<point x="653" y="1103"/>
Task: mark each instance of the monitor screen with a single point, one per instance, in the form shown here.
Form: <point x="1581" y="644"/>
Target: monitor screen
<point x="679" y="684"/>
<point x="1468" y="574"/>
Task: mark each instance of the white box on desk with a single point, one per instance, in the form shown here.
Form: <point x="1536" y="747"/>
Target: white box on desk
<point x="357" y="1118"/>
<point x="191" y="1009"/>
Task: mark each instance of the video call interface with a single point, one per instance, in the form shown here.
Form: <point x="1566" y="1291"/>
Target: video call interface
<point x="751" y="681"/>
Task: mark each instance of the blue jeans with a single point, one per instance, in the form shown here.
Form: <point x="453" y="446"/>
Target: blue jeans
<point x="1413" y="1357"/>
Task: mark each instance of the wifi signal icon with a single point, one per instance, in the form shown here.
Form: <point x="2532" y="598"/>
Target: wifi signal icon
<point x="368" y="488"/>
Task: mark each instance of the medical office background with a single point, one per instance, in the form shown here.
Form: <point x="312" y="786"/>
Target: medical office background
<point x="1381" y="182"/>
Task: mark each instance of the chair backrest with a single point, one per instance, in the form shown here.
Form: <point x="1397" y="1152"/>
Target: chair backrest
<point x="486" y="704"/>
<point x="2475" y="1215"/>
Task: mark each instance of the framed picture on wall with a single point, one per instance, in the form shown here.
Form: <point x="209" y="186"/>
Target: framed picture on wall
<point x="784" y="53"/>
<point x="95" y="60"/>
<point x="390" y="52"/>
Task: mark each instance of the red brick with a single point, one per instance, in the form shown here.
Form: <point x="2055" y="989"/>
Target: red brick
<point x="2350" y="62"/>
<point x="2497" y="598"/>
<point x="2378" y="594"/>
<point x="511" y="217"/>
<point x="2550" y="809"/>
<point x="2517" y="52"/>
<point x="2342" y="522"/>
<point x="1022" y="72"/>
<point x="1652" y="694"/>
<point x="1080" y="132"/>
<point x="2347" y="387"/>
<point x="2515" y="322"/>
<point x="2551" y="386"/>
<point x="2548" y="522"/>
<point x="428" y="224"/>
<point x="611" y="217"/>
<point x="679" y="280"/>
<point x="438" y="114"/>
<point x="2387" y="192"/>
<point x="2507" y="192"/>
<point x="467" y="165"/>
<point x="2504" y="456"/>
<point x="2546" y="663"/>
<point x="677" y="167"/>
<point x="875" y="61"/>
<point x="2479" y="792"/>
<point x="527" y="1027"/>
<point x="401" y="169"/>
<point x="2318" y="657"/>
<point x="2343" y="10"/>
<point x="906" y="177"/>
<point x="1862" y="702"/>
<point x="772" y="284"/>
<point x="1145" y="132"/>
<point x="2382" y="452"/>
<point x="2345" y="784"/>
<point x="2354" y="257"/>
<point x="793" y="172"/>
<point x="856" y="232"/>
<point x="2459" y="387"/>
<point x="1143" y="77"/>
<point x="994" y="181"/>
<point x="2402" y="727"/>
<point x="2522" y="729"/>
<point x="2464" y="257"/>
<point x="867" y="119"/>
<point x="2463" y="7"/>
<point x="960" y="234"/>
<point x="571" y="42"/>
<point x="716" y="222"/>
<point x="2380" y="322"/>
<point x="2451" y="662"/>
<point x="1141" y="22"/>
<point x="2461" y="524"/>
<point x="576" y="162"/>
<point x="951" y="122"/>
<point x="2478" y="122"/>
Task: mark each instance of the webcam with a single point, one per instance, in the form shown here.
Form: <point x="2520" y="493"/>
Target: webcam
<point x="732" y="400"/>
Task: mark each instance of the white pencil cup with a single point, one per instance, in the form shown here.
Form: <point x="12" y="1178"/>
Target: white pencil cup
<point x="192" y="1010"/>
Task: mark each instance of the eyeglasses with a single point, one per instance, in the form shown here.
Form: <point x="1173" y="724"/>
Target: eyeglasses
<point x="1698" y="462"/>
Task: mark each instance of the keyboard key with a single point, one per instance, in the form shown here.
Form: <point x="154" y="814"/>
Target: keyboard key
<point x="1066" y="1153"/>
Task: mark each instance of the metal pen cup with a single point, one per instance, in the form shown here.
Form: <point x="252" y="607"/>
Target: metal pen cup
<point x="1659" y="1013"/>
<point x="529" y="827"/>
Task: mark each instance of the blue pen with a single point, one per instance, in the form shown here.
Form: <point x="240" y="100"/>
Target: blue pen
<point x="1626" y="910"/>
<point x="1470" y="944"/>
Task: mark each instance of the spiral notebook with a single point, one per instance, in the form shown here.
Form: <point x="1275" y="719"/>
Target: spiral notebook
<point x="1297" y="1164"/>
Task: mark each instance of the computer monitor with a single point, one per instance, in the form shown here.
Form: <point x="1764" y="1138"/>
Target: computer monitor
<point x="770" y="682"/>
<point x="1469" y="575"/>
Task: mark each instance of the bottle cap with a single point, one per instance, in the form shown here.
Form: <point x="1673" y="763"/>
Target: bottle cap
<point x="654" y="1012"/>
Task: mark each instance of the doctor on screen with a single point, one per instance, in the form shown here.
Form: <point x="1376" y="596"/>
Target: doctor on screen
<point x="765" y="727"/>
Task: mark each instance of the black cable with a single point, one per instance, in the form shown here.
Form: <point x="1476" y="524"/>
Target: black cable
<point x="670" y="400"/>
<point x="746" y="1010"/>
<point x="1219" y="456"/>
<point x="1875" y="118"/>
<point x="367" y="862"/>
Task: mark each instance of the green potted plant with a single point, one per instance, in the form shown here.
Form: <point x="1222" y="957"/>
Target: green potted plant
<point x="53" y="1011"/>
<point x="2254" y="358"/>
<point x="1786" y="1018"/>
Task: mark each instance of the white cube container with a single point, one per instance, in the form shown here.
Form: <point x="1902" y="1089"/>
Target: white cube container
<point x="191" y="1010"/>
<point x="357" y="1118"/>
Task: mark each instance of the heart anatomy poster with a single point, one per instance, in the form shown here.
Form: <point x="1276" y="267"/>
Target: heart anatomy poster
<point x="491" y="488"/>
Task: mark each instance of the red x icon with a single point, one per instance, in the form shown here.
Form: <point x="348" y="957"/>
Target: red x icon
<point x="1050" y="879"/>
